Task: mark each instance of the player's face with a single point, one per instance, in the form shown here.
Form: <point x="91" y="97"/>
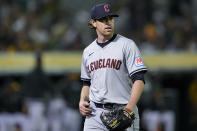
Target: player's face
<point x="105" y="26"/>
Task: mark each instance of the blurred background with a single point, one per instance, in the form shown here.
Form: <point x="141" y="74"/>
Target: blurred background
<point x="41" y="43"/>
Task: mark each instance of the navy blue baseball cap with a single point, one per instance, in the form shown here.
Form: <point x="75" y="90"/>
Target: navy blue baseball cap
<point x="102" y="10"/>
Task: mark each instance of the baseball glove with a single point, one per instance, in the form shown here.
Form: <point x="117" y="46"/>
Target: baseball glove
<point x="117" y="120"/>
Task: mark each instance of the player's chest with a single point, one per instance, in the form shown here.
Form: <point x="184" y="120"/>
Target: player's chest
<point x="105" y="58"/>
<point x="105" y="54"/>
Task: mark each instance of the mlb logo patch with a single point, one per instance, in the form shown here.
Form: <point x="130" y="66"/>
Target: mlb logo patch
<point x="138" y="61"/>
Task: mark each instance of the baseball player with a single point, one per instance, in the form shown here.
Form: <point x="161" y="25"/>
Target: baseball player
<point x="112" y="72"/>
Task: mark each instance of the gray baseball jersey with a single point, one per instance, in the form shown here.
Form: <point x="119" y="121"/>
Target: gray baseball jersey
<point x="109" y="68"/>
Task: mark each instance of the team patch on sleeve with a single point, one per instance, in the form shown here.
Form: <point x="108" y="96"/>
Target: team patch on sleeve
<point x="138" y="61"/>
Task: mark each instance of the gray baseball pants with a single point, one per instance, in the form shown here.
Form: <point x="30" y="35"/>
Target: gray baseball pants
<point x="94" y="123"/>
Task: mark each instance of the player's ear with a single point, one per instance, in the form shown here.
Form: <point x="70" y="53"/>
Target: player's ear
<point x="93" y="23"/>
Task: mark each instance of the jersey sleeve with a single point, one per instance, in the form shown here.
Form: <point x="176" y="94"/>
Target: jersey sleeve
<point x="85" y="76"/>
<point x="133" y="58"/>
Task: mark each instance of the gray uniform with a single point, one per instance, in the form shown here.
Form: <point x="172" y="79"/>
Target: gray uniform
<point x="109" y="69"/>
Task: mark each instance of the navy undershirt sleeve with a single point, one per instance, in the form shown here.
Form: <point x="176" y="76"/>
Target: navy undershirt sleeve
<point x="86" y="83"/>
<point x="138" y="76"/>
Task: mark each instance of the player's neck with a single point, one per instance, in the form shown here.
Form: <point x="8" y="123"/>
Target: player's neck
<point x="104" y="39"/>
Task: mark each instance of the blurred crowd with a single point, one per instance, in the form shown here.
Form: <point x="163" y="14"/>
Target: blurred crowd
<point x="155" y="25"/>
<point x="164" y="25"/>
<point x="29" y="25"/>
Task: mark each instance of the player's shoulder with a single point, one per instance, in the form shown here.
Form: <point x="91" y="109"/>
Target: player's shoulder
<point x="127" y="41"/>
<point x="90" y="47"/>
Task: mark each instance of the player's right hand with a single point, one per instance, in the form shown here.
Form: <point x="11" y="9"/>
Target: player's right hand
<point x="84" y="108"/>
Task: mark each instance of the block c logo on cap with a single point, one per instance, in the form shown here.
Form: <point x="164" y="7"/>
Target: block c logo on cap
<point x="106" y="7"/>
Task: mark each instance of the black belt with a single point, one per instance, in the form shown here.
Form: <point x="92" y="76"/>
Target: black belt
<point x="108" y="105"/>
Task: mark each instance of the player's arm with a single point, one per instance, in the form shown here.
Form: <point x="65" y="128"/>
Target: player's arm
<point x="136" y="92"/>
<point x="137" y="89"/>
<point x="84" y="97"/>
<point x="84" y="101"/>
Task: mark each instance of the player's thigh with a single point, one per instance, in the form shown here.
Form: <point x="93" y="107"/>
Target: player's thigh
<point x="93" y="129"/>
<point x="93" y="123"/>
<point x="88" y="127"/>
